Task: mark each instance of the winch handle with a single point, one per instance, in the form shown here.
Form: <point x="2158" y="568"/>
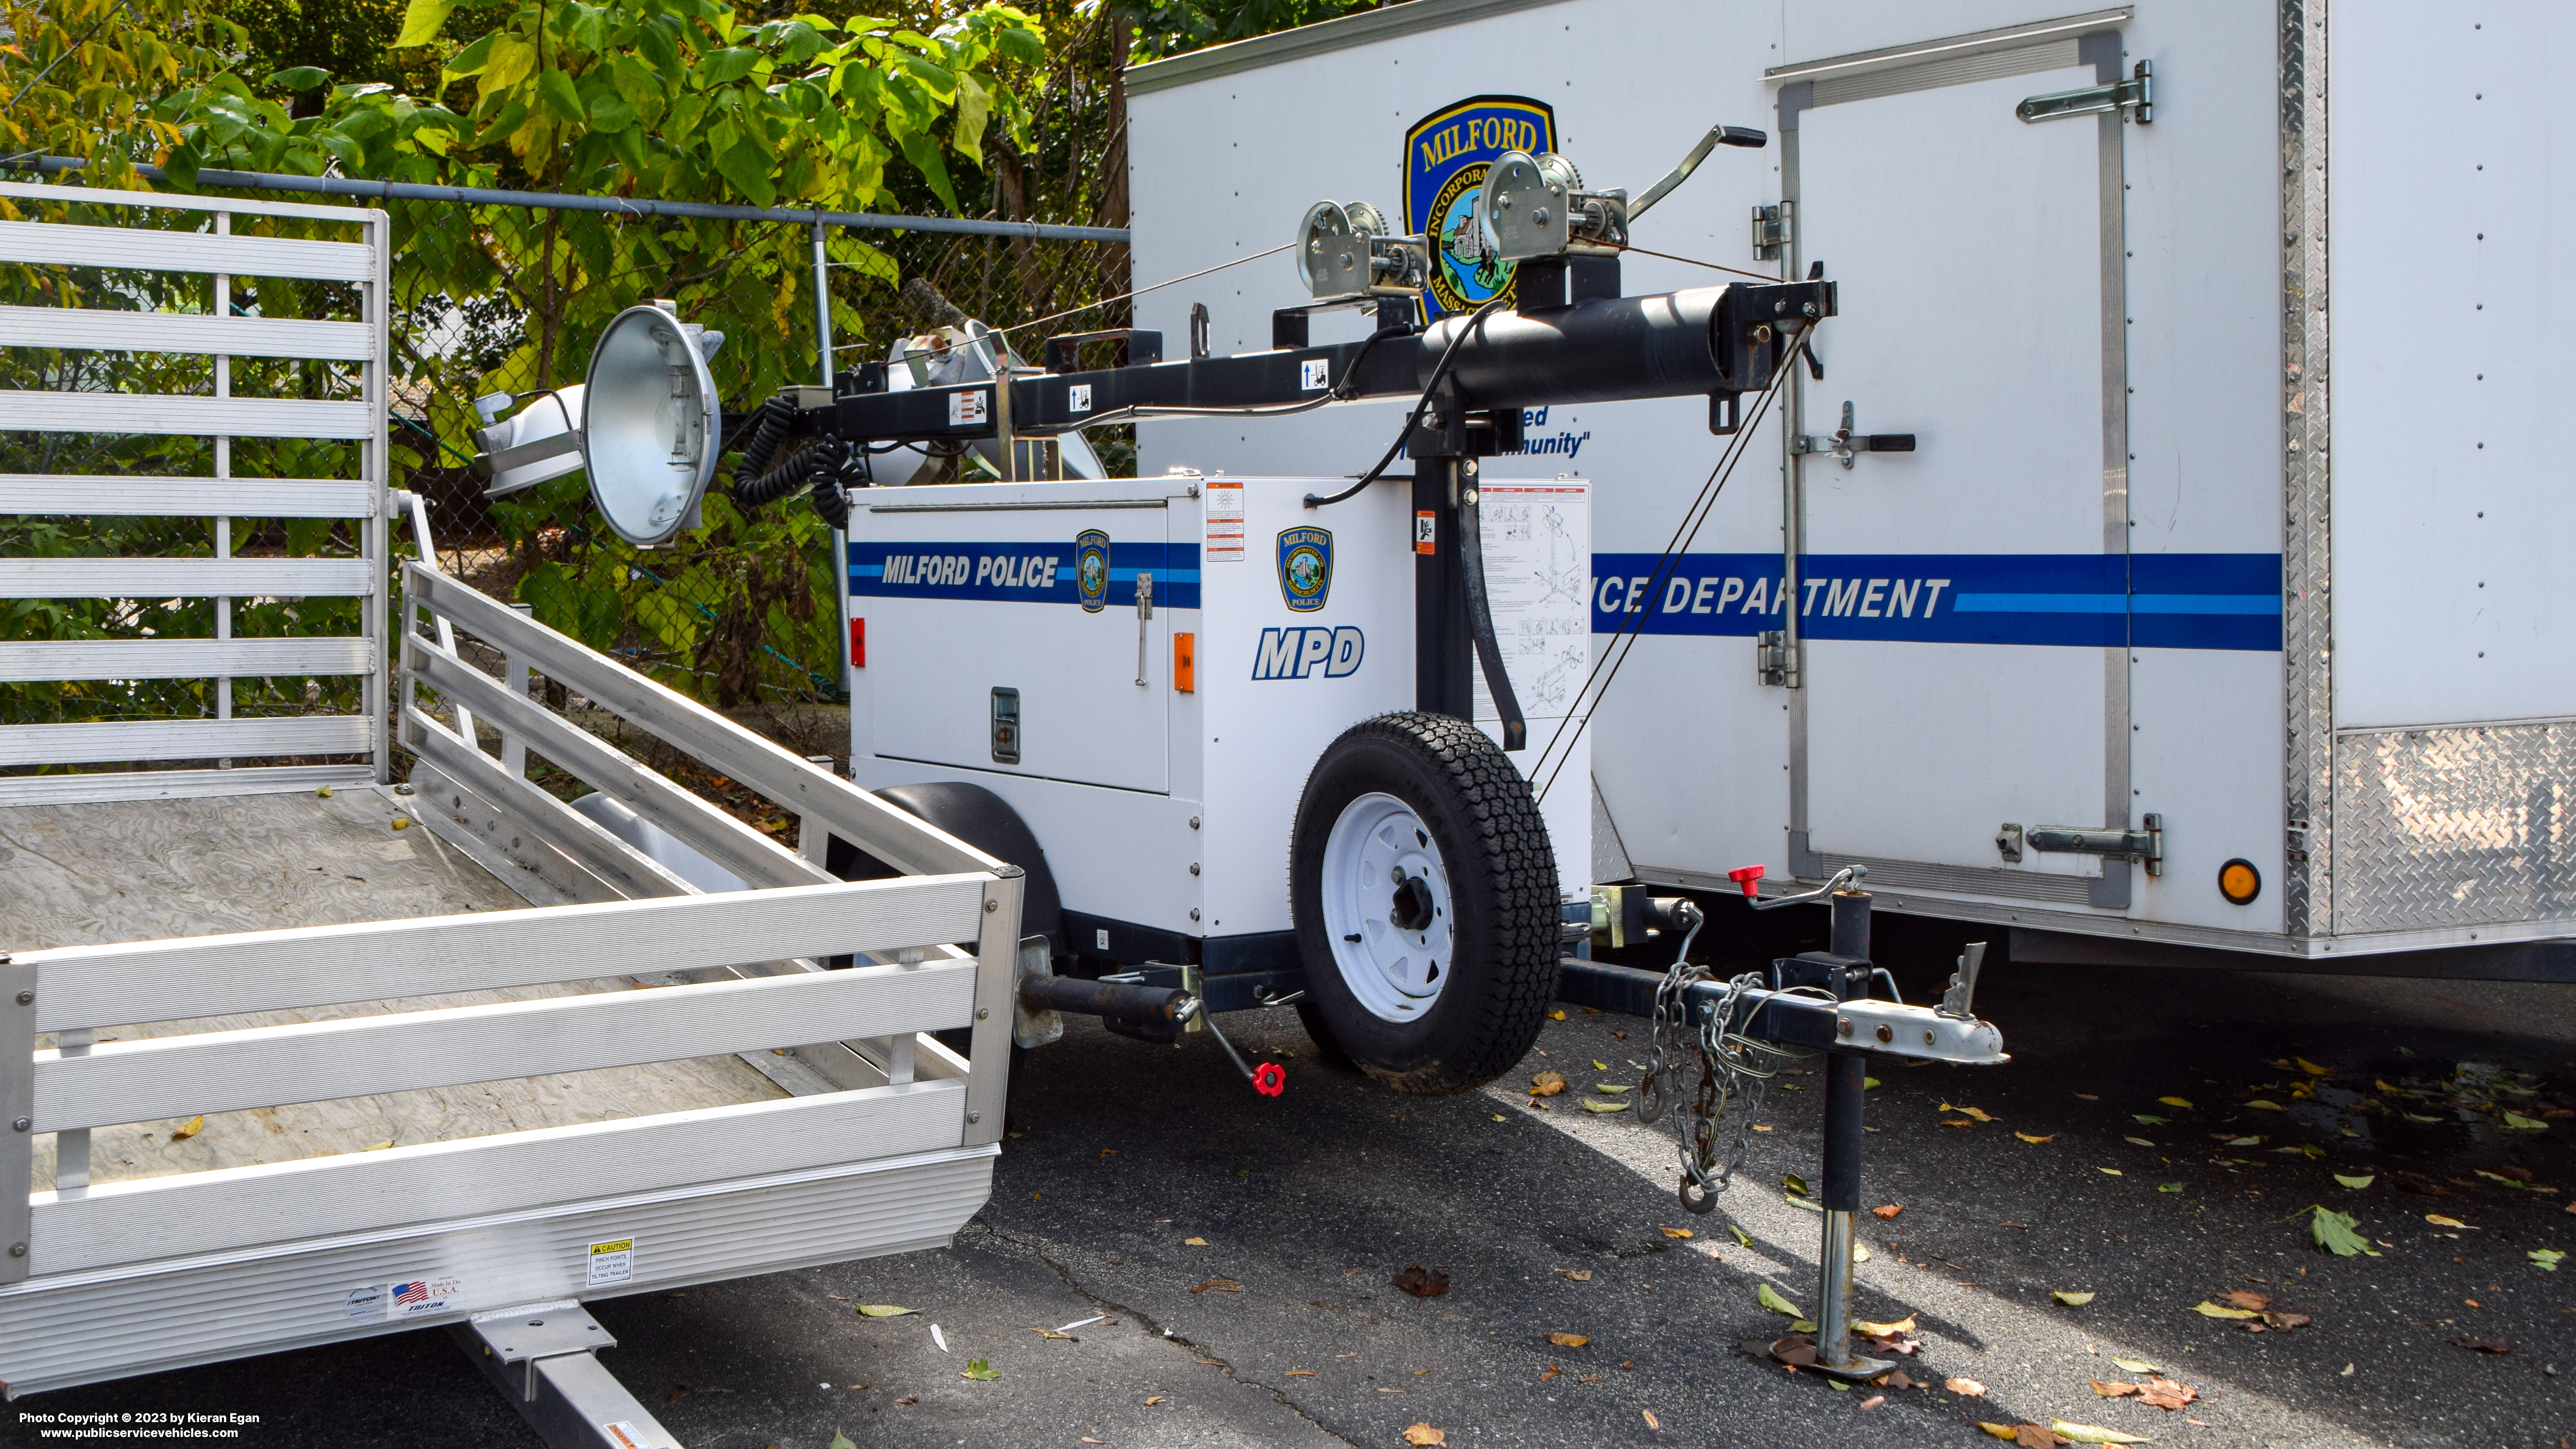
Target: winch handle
<point x="1717" y="136"/>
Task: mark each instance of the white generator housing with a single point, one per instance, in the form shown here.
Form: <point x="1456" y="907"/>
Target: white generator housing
<point x="1158" y="753"/>
<point x="2231" y="510"/>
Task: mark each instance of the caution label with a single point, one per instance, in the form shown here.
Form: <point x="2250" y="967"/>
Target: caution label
<point x="612" y="1262"/>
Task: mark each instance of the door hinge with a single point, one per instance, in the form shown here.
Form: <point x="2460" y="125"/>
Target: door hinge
<point x="1847" y="444"/>
<point x="2146" y="846"/>
<point x="1775" y="661"/>
<point x="1774" y="228"/>
<point x="2136" y="96"/>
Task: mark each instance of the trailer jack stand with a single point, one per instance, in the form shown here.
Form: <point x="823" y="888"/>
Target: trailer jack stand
<point x="545" y="1357"/>
<point x="1269" y="1079"/>
<point x="1820" y="1001"/>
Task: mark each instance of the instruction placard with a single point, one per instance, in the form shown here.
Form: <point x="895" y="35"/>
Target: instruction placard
<point x="1537" y="541"/>
<point x="612" y="1262"/>
<point x="1224" y="499"/>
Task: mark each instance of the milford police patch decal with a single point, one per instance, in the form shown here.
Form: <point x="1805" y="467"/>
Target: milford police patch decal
<point x="1091" y="568"/>
<point x="1305" y="567"/>
<point x="1446" y="155"/>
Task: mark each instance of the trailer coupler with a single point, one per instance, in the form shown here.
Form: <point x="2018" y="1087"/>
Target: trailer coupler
<point x="545" y="1357"/>
<point x="1815" y="1001"/>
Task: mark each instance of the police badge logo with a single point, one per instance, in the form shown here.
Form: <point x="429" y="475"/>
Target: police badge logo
<point x="1305" y="567"/>
<point x="1446" y="155"/>
<point x="1091" y="569"/>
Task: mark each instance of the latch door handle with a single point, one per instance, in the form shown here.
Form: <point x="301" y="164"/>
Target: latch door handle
<point x="1847" y="444"/>
<point x="1144" y="620"/>
<point x="2146" y="845"/>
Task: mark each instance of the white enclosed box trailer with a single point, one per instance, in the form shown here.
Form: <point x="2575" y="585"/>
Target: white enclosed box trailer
<point x="2216" y="607"/>
<point x="291" y="1054"/>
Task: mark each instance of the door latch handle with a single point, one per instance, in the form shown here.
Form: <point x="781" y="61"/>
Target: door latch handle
<point x="1144" y="618"/>
<point x="1846" y="444"/>
<point x="2146" y="845"/>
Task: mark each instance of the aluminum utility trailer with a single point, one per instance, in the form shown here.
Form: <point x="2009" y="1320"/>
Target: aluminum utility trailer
<point x="290" y="1054"/>
<point x="2216" y="615"/>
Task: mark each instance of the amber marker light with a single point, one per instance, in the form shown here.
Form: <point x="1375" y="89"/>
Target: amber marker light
<point x="2240" y="882"/>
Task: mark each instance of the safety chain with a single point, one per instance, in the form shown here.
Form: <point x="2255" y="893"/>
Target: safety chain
<point x="1735" y="1071"/>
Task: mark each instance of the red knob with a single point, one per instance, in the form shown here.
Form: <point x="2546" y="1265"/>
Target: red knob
<point x="1749" y="877"/>
<point x="1270" y="1079"/>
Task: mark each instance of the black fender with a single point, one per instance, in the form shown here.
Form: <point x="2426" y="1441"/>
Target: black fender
<point x="983" y="820"/>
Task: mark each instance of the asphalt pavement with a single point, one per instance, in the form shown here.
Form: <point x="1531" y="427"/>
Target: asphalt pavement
<point x="1239" y="1254"/>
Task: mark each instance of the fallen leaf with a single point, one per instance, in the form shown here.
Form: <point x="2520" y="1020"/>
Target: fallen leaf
<point x="1552" y="1372"/>
<point x="1547" y="1084"/>
<point x="1613" y="1087"/>
<point x="2418" y="1117"/>
<point x="1869" y="1084"/>
<point x="2207" y="1309"/>
<point x="1569" y="1340"/>
<point x="1194" y="1242"/>
<point x="1888" y="1212"/>
<point x="2521" y="1123"/>
<point x="1802" y="1325"/>
<point x="1299" y="1374"/>
<point x="841" y="1441"/>
<point x="939" y="1338"/>
<point x="2089" y="1434"/>
<point x="1761" y="1127"/>
<point x="1743" y="1241"/>
<point x="2357" y="1183"/>
<point x="1579" y="1275"/>
<point x="1885" y="1330"/>
<point x="2141" y="1141"/>
<point x="1792" y="1182"/>
<point x="2285" y="1321"/>
<point x="1499" y="1117"/>
<point x="1156" y="1399"/>
<point x="1423" y="1434"/>
<point x="2001" y="1431"/>
<point x="916" y="1398"/>
<point x="2311" y="1068"/>
<point x="1769" y="1297"/>
<point x="979" y="1370"/>
<point x="1556" y="1016"/>
<point x="377" y="1146"/>
<point x="1810" y="1204"/>
<point x="1965" y="1388"/>
<point x="1973" y="1113"/>
<point x="2546" y="1259"/>
<point x="2027" y="1137"/>
<point x="2135" y="1365"/>
<point x="1604" y="1108"/>
<point x="2337" y="1234"/>
<point x="2244" y="1142"/>
<point x="2175" y="1102"/>
<point x="1423" y="1282"/>
<point x="885" y="1310"/>
<point x="2482" y="1345"/>
<point x="1872" y="1402"/>
<point x="1600" y="1066"/>
<point x="2259" y="1105"/>
<point x="2149" y="1119"/>
<point x="1957" y="1122"/>
<point x="2072" y="1300"/>
<point x="1651" y="1421"/>
<point x="2110" y="1172"/>
<point x="190" y="1128"/>
<point x="2166" y="1394"/>
<point x="2113" y="1390"/>
<point x="1051" y="1333"/>
<point x="2439" y="1221"/>
<point x="1221" y="1285"/>
<point x="2168" y="1187"/>
<point x="2243" y="1299"/>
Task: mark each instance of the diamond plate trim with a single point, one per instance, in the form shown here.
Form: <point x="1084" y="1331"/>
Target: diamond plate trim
<point x="2308" y="899"/>
<point x="2467" y="826"/>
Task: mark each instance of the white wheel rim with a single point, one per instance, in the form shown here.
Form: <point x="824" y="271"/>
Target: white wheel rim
<point x="1392" y="942"/>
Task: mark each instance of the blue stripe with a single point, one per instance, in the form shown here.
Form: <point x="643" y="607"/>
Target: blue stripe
<point x="1035" y="572"/>
<point x="2155" y="601"/>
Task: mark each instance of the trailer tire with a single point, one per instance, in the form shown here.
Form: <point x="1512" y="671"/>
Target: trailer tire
<point x="1451" y="977"/>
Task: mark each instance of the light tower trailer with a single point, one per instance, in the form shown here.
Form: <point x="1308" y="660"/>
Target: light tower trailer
<point x="1229" y="722"/>
<point x="290" y="1055"/>
<point x="2216" y="616"/>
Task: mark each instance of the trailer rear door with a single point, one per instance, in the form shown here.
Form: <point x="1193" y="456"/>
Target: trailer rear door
<point x="1964" y="606"/>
